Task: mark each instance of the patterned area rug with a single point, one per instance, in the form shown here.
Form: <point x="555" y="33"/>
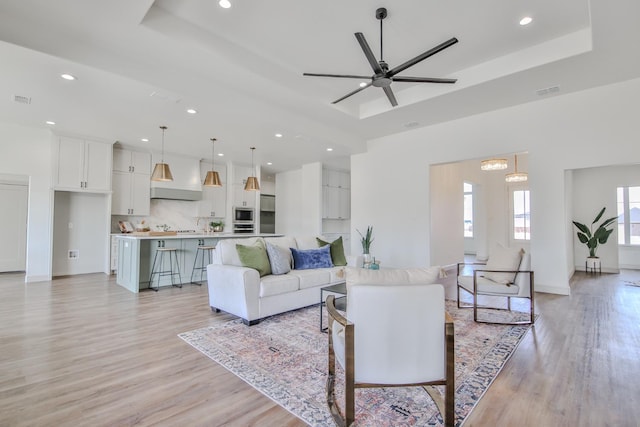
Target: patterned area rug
<point x="285" y="358"/>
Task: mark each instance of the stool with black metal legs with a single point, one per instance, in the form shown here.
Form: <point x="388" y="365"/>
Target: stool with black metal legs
<point x="203" y="254"/>
<point x="159" y="261"/>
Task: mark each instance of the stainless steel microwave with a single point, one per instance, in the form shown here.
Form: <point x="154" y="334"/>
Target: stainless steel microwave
<point x="243" y="215"/>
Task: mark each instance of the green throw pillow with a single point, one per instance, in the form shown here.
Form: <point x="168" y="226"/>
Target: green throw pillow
<point x="254" y="257"/>
<point x="337" y="250"/>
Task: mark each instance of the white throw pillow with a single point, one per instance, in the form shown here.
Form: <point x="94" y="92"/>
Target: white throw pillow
<point x="503" y="259"/>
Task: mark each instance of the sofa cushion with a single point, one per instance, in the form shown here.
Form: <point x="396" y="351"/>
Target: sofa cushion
<point x="336" y="249"/>
<point x="312" y="278"/>
<point x="392" y="276"/>
<point x="276" y="285"/>
<point x="307" y="242"/>
<point x="311" y="258"/>
<point x="279" y="258"/>
<point x="282" y="241"/>
<point x="228" y="254"/>
<point x="255" y="257"/>
<point x="505" y="259"/>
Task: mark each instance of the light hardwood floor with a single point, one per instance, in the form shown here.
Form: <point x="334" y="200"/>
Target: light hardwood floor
<point x="82" y="351"/>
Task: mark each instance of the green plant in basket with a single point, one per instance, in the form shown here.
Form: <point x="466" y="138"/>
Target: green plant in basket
<point x="592" y="238"/>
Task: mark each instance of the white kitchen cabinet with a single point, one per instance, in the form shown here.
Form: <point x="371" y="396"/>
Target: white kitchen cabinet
<point x="131" y="183"/>
<point x="242" y="198"/>
<point x="214" y="199"/>
<point x="82" y="165"/>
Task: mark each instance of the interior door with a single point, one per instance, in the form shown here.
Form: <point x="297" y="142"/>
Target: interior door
<point x="13" y="226"/>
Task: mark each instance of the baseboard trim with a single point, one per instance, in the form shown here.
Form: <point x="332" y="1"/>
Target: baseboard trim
<point x="552" y="289"/>
<point x="31" y="279"/>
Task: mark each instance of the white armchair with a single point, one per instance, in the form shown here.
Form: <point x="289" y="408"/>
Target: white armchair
<point x="395" y="335"/>
<point x="507" y="275"/>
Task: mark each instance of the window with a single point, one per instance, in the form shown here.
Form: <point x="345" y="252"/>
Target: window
<point x="520" y="215"/>
<point x="629" y="215"/>
<point x="468" y="210"/>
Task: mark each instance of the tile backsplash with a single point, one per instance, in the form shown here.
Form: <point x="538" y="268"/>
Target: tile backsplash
<point x="177" y="214"/>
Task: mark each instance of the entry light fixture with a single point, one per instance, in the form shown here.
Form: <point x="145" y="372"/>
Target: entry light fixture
<point x="161" y="171"/>
<point x="252" y="182"/>
<point x="516" y="176"/>
<point x="493" y="164"/>
<point x="212" y="179"/>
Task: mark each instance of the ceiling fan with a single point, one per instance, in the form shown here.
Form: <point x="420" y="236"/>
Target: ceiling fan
<point x="383" y="76"/>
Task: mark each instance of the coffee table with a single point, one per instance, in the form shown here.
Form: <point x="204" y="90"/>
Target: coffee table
<point x="340" y="302"/>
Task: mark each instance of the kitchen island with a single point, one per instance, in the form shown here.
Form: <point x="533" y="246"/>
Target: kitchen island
<point x="136" y="252"/>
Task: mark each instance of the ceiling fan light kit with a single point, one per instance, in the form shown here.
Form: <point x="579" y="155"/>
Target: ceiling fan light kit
<point x="383" y="76"/>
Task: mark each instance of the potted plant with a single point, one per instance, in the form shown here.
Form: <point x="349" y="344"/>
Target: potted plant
<point x="217" y="226"/>
<point x="366" y="241"/>
<point x="592" y="238"/>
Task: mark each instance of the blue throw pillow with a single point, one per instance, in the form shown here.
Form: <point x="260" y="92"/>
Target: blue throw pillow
<point x="311" y="258"/>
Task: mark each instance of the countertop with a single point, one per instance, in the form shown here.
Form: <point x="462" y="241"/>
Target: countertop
<point x="195" y="236"/>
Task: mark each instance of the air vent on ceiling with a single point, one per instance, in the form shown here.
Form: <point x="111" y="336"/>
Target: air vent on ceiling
<point x="165" y="96"/>
<point x="548" y="90"/>
<point x="22" y="99"/>
<point x="411" y="125"/>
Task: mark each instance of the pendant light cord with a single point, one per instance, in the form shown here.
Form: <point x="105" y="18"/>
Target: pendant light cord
<point x="381" y="56"/>
<point x="162" y="156"/>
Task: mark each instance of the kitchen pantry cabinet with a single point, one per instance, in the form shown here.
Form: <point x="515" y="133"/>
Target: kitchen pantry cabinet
<point x="131" y="183"/>
<point x="82" y="165"/>
<point x="214" y="199"/>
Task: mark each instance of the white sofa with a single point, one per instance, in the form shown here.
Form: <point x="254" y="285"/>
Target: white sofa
<point x="242" y="292"/>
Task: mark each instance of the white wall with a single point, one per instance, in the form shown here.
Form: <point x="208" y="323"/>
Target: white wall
<point x="594" y="188"/>
<point x="288" y="199"/>
<point x="586" y="129"/>
<point x="27" y="151"/>
<point x="80" y="224"/>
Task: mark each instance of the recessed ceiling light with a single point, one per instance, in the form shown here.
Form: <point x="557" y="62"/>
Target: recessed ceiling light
<point x="144" y="139"/>
<point x="526" y="20"/>
<point x="191" y="111"/>
<point x="269" y="163"/>
<point x="67" y="76"/>
<point x="220" y="154"/>
<point x="363" y="84"/>
<point x="278" y="135"/>
<point x="329" y="149"/>
<point x="49" y="122"/>
<point x="225" y="4"/>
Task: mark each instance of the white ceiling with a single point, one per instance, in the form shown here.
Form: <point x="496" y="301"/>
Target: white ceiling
<point x="241" y="68"/>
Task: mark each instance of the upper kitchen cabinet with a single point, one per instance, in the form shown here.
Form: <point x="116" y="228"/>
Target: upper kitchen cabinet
<point x="242" y="198"/>
<point x="185" y="171"/>
<point x="214" y="199"/>
<point x="82" y="165"/>
<point x="131" y="182"/>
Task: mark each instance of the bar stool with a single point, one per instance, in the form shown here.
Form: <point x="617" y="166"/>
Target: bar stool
<point x="201" y="251"/>
<point x="173" y="256"/>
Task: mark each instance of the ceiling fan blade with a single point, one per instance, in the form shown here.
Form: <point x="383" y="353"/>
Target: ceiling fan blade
<point x="344" y="76"/>
<point x="368" y="53"/>
<point x="422" y="57"/>
<point x="390" y="95"/>
<point x="351" y="93"/>
<point x="423" y="80"/>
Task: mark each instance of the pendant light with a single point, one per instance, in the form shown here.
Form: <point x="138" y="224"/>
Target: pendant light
<point x="161" y="171"/>
<point x="516" y="176"/>
<point x="212" y="179"/>
<point x="252" y="182"/>
<point x="493" y="164"/>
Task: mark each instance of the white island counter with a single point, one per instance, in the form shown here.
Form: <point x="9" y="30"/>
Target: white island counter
<point x="136" y="252"/>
